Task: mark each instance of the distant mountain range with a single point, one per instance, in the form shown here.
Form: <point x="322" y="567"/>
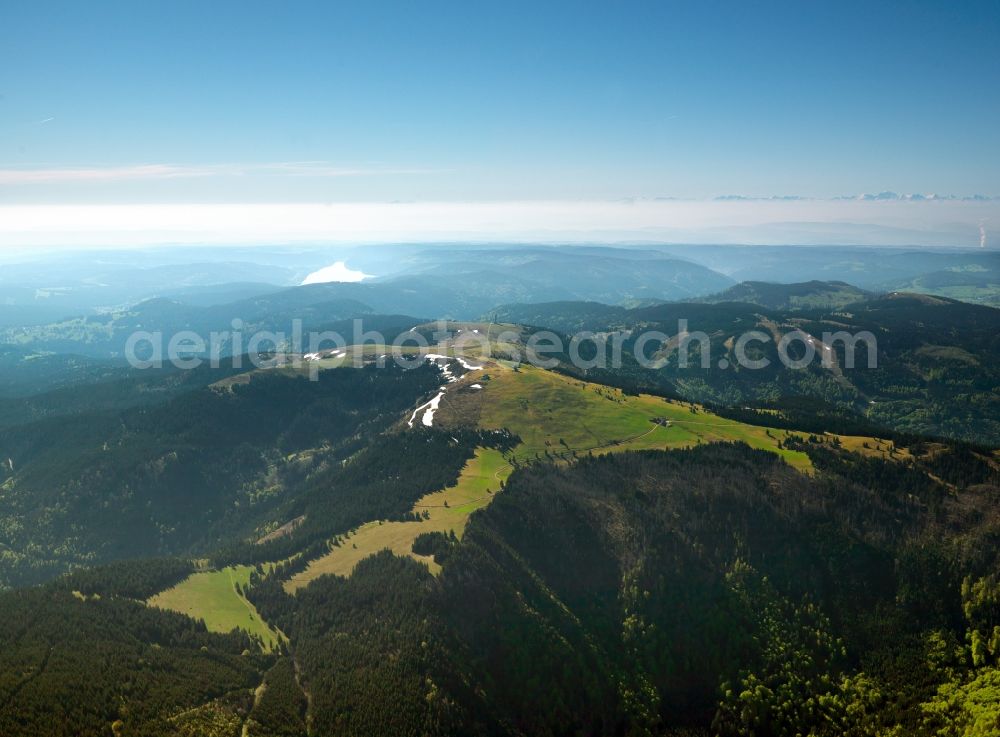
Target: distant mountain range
<point x="454" y="282"/>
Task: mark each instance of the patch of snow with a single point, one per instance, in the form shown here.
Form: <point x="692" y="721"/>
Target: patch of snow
<point x="428" y="408"/>
<point x="465" y="364"/>
<point x="475" y="386"/>
<point x="429" y="414"/>
<point x="435" y="357"/>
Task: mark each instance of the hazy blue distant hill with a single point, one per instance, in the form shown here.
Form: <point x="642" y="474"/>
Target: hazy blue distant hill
<point x="566" y="317"/>
<point x="604" y="274"/>
<point x="14" y="315"/>
<point x="972" y="283"/>
<point x="804" y="295"/>
<point x="75" y="284"/>
<point x="217" y="294"/>
<point x="105" y="335"/>
<point x="968" y="274"/>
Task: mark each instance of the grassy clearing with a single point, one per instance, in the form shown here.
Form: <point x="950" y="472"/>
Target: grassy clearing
<point x="446" y="510"/>
<point x="559" y="415"/>
<point x="871" y="447"/>
<point x="212" y="596"/>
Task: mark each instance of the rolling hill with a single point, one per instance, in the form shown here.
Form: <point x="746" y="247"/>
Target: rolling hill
<point x="932" y="372"/>
<point x="957" y="273"/>
<point x="802" y="296"/>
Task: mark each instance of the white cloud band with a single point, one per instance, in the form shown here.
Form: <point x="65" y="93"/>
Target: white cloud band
<point x="944" y="223"/>
<point x="98" y="174"/>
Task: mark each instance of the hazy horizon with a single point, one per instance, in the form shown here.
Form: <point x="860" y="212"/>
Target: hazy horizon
<point x="124" y="124"/>
<point x="933" y="223"/>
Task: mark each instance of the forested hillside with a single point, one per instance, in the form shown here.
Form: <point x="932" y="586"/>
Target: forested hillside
<point x="74" y="668"/>
<point x="713" y="590"/>
<point x="179" y="476"/>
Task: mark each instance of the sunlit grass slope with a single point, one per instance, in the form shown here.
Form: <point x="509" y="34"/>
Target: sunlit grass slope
<point x="446" y="510"/>
<point x="559" y="415"/>
<point x="212" y="596"/>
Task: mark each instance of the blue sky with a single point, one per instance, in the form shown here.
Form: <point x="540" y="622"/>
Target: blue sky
<point x="142" y="102"/>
